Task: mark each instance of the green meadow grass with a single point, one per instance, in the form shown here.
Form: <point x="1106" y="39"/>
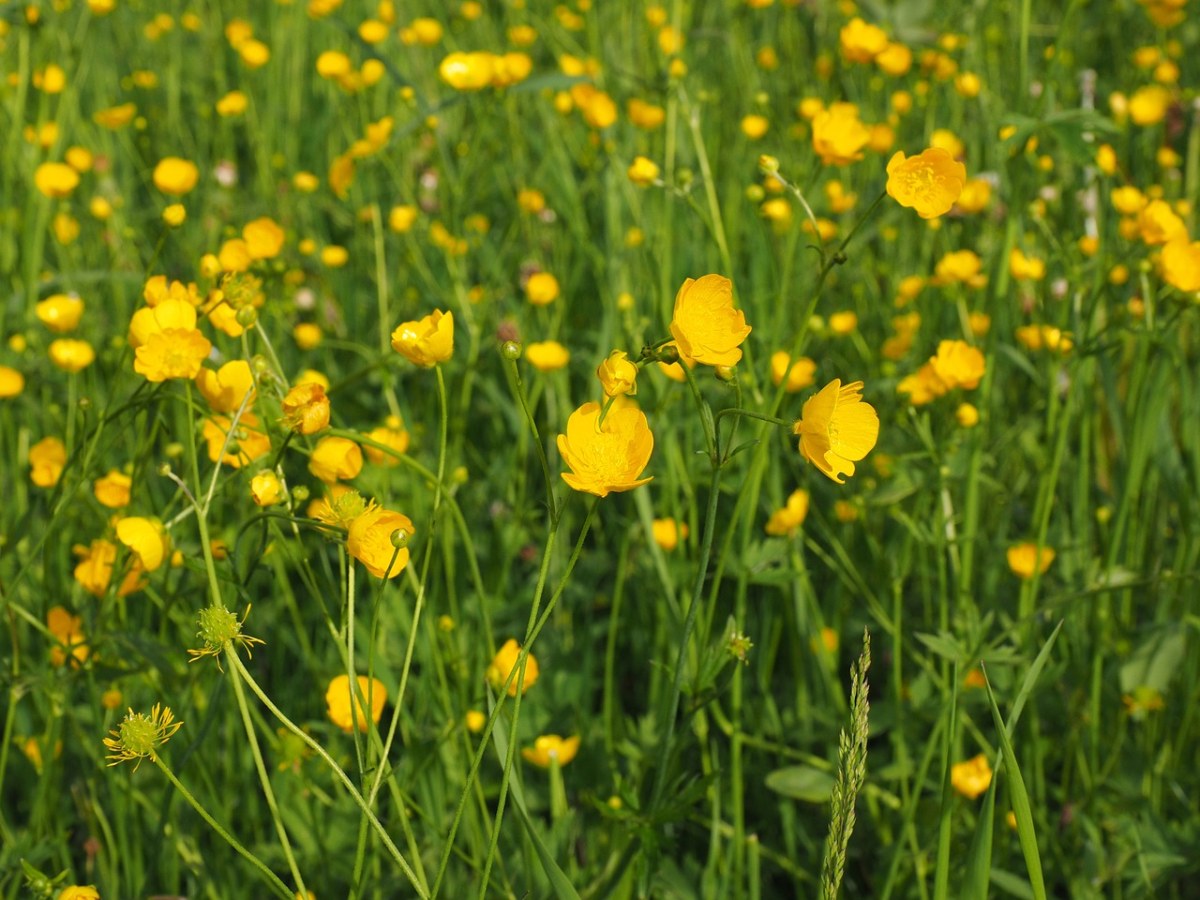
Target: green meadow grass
<point x="759" y="715"/>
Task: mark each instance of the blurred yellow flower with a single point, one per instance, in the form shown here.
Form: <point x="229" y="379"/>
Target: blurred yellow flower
<point x="175" y="176"/>
<point x="504" y="662"/>
<point x="348" y="712"/>
<point x="785" y="521"/>
<point x="467" y="71"/>
<point x="95" y="567"/>
<point x="929" y="182"/>
<point x="1025" y="559"/>
<point x="263" y="237"/>
<point x="71" y="355"/>
<point x="1181" y="264"/>
<point x="549" y="749"/>
<point x="861" y="42"/>
<point x="246" y="445"/>
<point x="306" y="408"/>
<point x="427" y="341"/>
<point x="541" y="288"/>
<point x="146" y="539"/>
<point x="1148" y="105"/>
<point x="668" y="533"/>
<point x="838" y="136"/>
<point x="971" y="778"/>
<point x="705" y="325"/>
<point x="369" y="540"/>
<point x="81" y="891"/>
<point x="55" y="180"/>
<point x="68" y="632"/>
<point x="1025" y="268"/>
<point x="800" y="374"/>
<point x="226" y="388"/>
<point x="643" y="172"/>
<point x="47" y="459"/>
<point x="547" y="356"/>
<point x="958" y="364"/>
<point x="335" y="459"/>
<point x="1158" y="224"/>
<point x="60" y="312"/>
<point x="113" y="489"/>
<point x="837" y="429"/>
<point x="606" y="458"/>
<point x="392" y="434"/>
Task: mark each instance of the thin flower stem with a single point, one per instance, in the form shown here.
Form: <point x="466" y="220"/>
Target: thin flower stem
<point x="210" y="565"/>
<point x="710" y="189"/>
<point x="274" y="880"/>
<point x="664" y="748"/>
<point x="381" y="296"/>
<point x="337" y="770"/>
<point x="256" y="751"/>
<point x="537" y="441"/>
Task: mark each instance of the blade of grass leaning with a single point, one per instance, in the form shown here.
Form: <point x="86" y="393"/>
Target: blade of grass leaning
<point x="561" y="885"/>
<point x="941" y="878"/>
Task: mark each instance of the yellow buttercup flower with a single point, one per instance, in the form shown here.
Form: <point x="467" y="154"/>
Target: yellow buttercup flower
<point x="60" y="313"/>
<point x="1025" y="559"/>
<point x="347" y="712"/>
<point x="643" y="171"/>
<point x="264" y="238"/>
<point x="617" y="374"/>
<point x="95" y="567"/>
<point x="799" y="373"/>
<point x="541" y="288"/>
<point x="1158" y="224"/>
<point x="547" y="356"/>
<point x="861" y="42"/>
<point x="785" y="521"/>
<point x="175" y="176"/>
<point x="467" y="71"/>
<point x="265" y="488"/>
<point x="68" y="632"/>
<point x="1181" y="265"/>
<point x="113" y="490"/>
<point x="369" y="540"/>
<point x="226" y="388"/>
<point x="958" y="364"/>
<point x="55" y="180"/>
<point x="705" y="325"/>
<point x="838" y="136"/>
<point x="971" y="778"/>
<point x="146" y="539"/>
<point x="549" y="749"/>
<point x="391" y="434"/>
<point x="504" y="662"/>
<point x="1025" y="268"/>
<point x="12" y="382"/>
<point x="609" y="457"/>
<point x="335" y="459"/>
<point x="79" y="891"/>
<point x="166" y="342"/>
<point x="668" y="533"/>
<point x="246" y="444"/>
<point x="47" y="459"/>
<point x="70" y="355"/>
<point x="306" y="408"/>
<point x="837" y="429"/>
<point x="929" y="182"/>
<point x="427" y="341"/>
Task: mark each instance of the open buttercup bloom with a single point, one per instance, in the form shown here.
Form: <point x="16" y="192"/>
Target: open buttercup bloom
<point x="166" y="342"/>
<point x="1026" y="559"/>
<point x="306" y="408"/>
<point x="427" y="341"/>
<point x="347" y="712"/>
<point x="837" y="429"/>
<point x="335" y="459"/>
<point x="503" y="663"/>
<point x="549" y="749"/>
<point x="972" y="777"/>
<point x="705" y="325"/>
<point x="929" y="182"/>
<point x="370" y="540"/>
<point x="226" y="388"/>
<point x="609" y="457"/>
<point x="1181" y="264"/>
<point x="146" y="539"/>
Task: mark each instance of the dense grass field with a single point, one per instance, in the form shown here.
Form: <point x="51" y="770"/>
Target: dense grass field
<point x="599" y="449"/>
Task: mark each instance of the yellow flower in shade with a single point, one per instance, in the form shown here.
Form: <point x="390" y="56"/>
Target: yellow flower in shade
<point x="427" y="341"/>
<point x="861" y="42"/>
<point x="755" y="126"/>
<point x="1158" y="224"/>
<point x="1025" y="559"/>
<point x="335" y="459"/>
<point x="541" y="288"/>
<point x="47" y="459"/>
<point x="838" y="135"/>
<point x="786" y="521"/>
<point x="146" y="539"/>
<point x="402" y="218"/>
<point x="115" y="117"/>
<point x="504" y="662"/>
<point x="706" y="327"/>
<point x="609" y="457"/>
<point x="474" y="720"/>
<point x="1148" y="105"/>
<point x="550" y="749"/>
<point x="837" y="429"/>
<point x="1181" y="265"/>
<point x="348" y="712"/>
<point x="71" y="355"/>
<point x="139" y="735"/>
<point x="68" y="632"/>
<point x="958" y="364"/>
<point x="113" y="489"/>
<point x="55" y="180"/>
<point x="647" y="116"/>
<point x="547" y="356"/>
<point x="370" y="540"/>
<point x="233" y="103"/>
<point x="1044" y="337"/>
<point x="929" y="182"/>
<point x="971" y="778"/>
<point x="967" y="415"/>
<point x="12" y="382"/>
<point x="668" y="533"/>
<point x="1025" y="268"/>
<point x="617" y="374"/>
<point x="79" y="891"/>
<point x="246" y="445"/>
<point x="391" y="434"/>
<point x="643" y="172"/>
<point x="265" y="488"/>
<point x="60" y="313"/>
<point x="1128" y="200"/>
<point x="175" y="176"/>
<point x="226" y="388"/>
<point x="263" y="237"/>
<point x="306" y="409"/>
<point x="95" y="567"/>
<point x="923" y="386"/>
<point x="975" y="197"/>
<point x="166" y="342"/>
<point x="800" y="374"/>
